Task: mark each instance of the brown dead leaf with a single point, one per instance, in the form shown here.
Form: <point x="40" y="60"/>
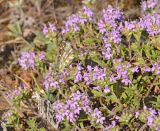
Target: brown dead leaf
<point x="26" y="76"/>
<point x="157" y="89"/>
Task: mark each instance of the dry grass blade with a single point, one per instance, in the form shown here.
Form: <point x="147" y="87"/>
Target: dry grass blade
<point x="5" y="20"/>
<point x="1" y="1"/>
<point x="14" y="41"/>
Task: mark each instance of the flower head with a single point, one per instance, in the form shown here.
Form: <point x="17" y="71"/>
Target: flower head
<point x="97" y="116"/>
<point x="149" y="4"/>
<point x="70" y="109"/>
<point x="27" y="60"/>
<point x="151" y="23"/>
<point x="107" y="90"/>
<point x="52" y="27"/>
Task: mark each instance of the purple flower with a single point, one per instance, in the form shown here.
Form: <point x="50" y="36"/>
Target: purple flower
<point x="79" y="67"/>
<point x="150" y="120"/>
<point x="117" y="117"/>
<point x="89" y="68"/>
<point x="144" y="6"/>
<point x="15" y="93"/>
<point x="111" y="15"/>
<point x="88" y="12"/>
<point x="137" y="114"/>
<point x="74" y="22"/>
<point x="71" y="24"/>
<point x="50" y="82"/>
<point x="121" y="73"/>
<point x="152" y="112"/>
<point x="151" y="23"/>
<point x="126" y="81"/>
<point x="115" y="36"/>
<point x="110" y="21"/>
<point x="146" y="69"/>
<point x="112" y="125"/>
<point x="149" y="4"/>
<point x="135" y="69"/>
<point x="86" y="77"/>
<point x="154" y="67"/>
<point x="45" y="29"/>
<point x="52" y="27"/>
<point x="131" y="25"/>
<point x="97" y="88"/>
<point x="82" y="99"/>
<point x="27" y="60"/>
<point x="113" y="79"/>
<point x="41" y="56"/>
<point x="115" y="61"/>
<point x="98" y="73"/>
<point x="107" y="90"/>
<point x="91" y="74"/>
<point x="78" y="77"/>
<point x="70" y="109"/>
<point x="158" y="71"/>
<point x="107" y="52"/>
<point x="60" y="110"/>
<point x="102" y="27"/>
<point x="97" y="116"/>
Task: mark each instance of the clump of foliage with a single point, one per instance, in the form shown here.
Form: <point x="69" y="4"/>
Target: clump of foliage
<point x="98" y="73"/>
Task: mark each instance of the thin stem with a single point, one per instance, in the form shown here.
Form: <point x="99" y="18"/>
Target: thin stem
<point x="22" y="80"/>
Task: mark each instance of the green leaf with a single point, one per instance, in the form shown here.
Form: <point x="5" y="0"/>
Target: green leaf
<point x="89" y="41"/>
<point x="97" y="93"/>
<point x="139" y="78"/>
<point x="96" y="58"/>
<point x="112" y="98"/>
<point x="134" y="47"/>
<point x="147" y="49"/>
<point x="139" y="61"/>
<point x="42" y="129"/>
<point x="125" y="118"/>
<point x="156" y="42"/>
<point x="154" y="54"/>
<point x="81" y="125"/>
<point x="15" y="29"/>
<point x="67" y="126"/>
<point x="137" y="35"/>
<point x="124" y="96"/>
<point x="32" y="123"/>
<point x="52" y="51"/>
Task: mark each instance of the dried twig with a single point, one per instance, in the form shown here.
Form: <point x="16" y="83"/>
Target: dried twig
<point x="5" y="20"/>
<point x="14" y="41"/>
<point x="1" y="1"/>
